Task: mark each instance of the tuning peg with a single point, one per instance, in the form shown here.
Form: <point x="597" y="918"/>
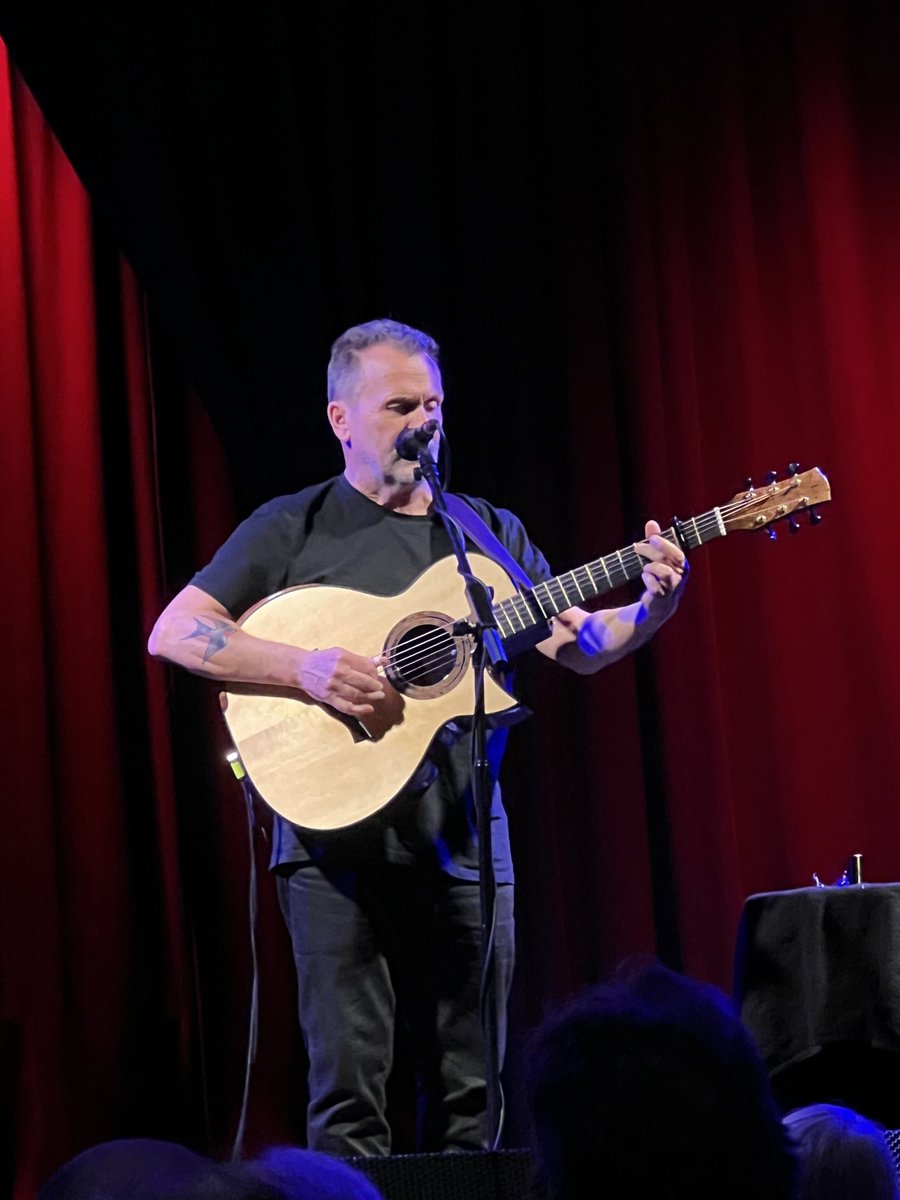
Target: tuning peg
<point x="748" y="484"/>
<point x="814" y="517"/>
<point x="772" y="534"/>
<point x="793" y="469"/>
<point x="794" y="525"/>
<point x="771" y="476"/>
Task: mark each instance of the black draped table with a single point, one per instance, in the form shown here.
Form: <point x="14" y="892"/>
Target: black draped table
<point x="817" y="981"/>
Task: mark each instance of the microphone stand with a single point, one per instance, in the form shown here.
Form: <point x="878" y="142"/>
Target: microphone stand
<point x="488" y="651"/>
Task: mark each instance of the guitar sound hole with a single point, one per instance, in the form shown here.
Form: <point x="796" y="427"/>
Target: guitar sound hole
<point x="421" y="657"/>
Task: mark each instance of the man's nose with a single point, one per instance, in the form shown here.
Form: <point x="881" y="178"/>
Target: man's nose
<point x="421" y="418"/>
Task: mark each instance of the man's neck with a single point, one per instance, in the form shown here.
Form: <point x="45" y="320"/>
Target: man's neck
<point x="413" y="499"/>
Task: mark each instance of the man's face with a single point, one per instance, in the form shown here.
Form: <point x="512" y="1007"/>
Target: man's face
<point x="392" y="392"/>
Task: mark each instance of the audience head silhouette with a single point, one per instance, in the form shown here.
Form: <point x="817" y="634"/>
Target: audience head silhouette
<point x="650" y="1086"/>
<point x="148" y="1169"/>
<point x="310" y="1175"/>
<point x="842" y="1153"/>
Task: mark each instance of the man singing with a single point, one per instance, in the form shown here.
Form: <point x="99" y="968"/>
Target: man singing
<point x="387" y="908"/>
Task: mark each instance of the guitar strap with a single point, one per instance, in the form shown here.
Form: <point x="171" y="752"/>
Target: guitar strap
<point x="471" y="523"/>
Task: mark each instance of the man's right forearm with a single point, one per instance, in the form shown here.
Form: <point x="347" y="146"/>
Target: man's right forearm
<point x="196" y="632"/>
<point x="221" y="652"/>
<point x="211" y="644"/>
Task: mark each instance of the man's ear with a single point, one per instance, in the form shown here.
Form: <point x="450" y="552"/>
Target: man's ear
<point x="338" y="420"/>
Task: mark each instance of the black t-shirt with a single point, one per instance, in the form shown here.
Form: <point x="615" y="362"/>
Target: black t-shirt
<point x="332" y="534"/>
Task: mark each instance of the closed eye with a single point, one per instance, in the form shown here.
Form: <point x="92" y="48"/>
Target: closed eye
<point x="406" y="406"/>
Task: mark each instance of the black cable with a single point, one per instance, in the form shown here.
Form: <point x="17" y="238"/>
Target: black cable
<point x="445" y="462"/>
<point x="253" y="908"/>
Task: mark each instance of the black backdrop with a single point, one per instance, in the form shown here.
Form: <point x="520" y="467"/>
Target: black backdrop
<point x="275" y="172"/>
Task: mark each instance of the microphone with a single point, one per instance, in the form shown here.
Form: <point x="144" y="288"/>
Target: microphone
<point x="411" y="441"/>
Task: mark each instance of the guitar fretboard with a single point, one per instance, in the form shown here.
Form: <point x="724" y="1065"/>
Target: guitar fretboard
<point x="535" y="605"/>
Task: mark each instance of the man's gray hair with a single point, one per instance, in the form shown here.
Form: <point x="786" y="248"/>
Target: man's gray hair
<point x="344" y="362"/>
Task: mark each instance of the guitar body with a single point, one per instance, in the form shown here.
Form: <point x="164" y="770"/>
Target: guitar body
<point x="322" y="770"/>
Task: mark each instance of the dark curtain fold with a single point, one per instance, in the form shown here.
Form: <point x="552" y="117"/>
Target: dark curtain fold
<point x="660" y="249"/>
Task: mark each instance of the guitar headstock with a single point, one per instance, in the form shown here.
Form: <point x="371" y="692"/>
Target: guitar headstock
<point x="777" y="500"/>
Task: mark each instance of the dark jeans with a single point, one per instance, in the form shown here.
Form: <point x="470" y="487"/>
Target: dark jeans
<point x="363" y="941"/>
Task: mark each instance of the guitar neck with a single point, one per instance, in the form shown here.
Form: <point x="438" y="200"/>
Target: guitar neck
<point x="536" y="605"/>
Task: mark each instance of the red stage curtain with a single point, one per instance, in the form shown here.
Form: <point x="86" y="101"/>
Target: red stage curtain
<point x="757" y="259"/>
<point x="118" y="970"/>
<point x="96" y="1000"/>
<point x="767" y="279"/>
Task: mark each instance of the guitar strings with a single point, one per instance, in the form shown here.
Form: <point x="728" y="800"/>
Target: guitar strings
<point x="433" y="648"/>
<point x="429" y="664"/>
<point x="427" y="649"/>
<point x="754" y="498"/>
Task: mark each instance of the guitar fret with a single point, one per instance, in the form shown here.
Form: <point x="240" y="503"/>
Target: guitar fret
<point x="501" y="616"/>
<point x="559" y="607"/>
<point x="510" y="615"/>
<point x="635" y="564"/>
<point x="527" y="608"/>
<point x="594" y="588"/>
<point x="515" y="608"/>
<point x="550" y="600"/>
<point x="575" y="581"/>
<point x="538" y="602"/>
<point x="616" y="565"/>
<point x="526" y="612"/>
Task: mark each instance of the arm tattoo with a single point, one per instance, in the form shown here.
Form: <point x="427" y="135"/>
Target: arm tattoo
<point x="218" y="635"/>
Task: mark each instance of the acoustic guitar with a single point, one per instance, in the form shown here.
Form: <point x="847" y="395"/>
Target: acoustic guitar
<point x="323" y="770"/>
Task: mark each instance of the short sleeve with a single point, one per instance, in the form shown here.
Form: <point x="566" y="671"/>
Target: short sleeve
<point x="252" y="564"/>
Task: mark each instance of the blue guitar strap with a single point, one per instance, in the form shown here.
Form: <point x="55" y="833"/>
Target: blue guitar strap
<point x="471" y="524"/>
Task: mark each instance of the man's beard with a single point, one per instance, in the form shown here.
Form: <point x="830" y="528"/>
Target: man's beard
<point x="403" y="472"/>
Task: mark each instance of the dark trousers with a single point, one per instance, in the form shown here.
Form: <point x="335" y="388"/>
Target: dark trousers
<point x="383" y="944"/>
